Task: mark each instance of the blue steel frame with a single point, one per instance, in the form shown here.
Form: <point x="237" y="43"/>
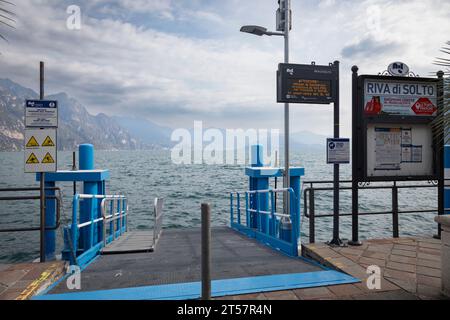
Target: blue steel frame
<point x="95" y="244"/>
<point x="267" y="234"/>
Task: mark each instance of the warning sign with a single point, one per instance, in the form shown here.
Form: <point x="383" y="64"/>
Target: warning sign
<point x="48" y="158"/>
<point x="32" y="159"/>
<point x="48" y="142"/>
<point x="40" y="150"/>
<point x="32" y="143"/>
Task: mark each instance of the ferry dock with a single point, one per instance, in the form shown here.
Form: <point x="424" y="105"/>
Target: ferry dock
<point x="411" y="270"/>
<point x="259" y="255"/>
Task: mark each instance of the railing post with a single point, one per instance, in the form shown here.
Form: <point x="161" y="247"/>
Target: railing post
<point x="273" y="218"/>
<point x="312" y="222"/>
<point x="231" y="208"/>
<point x="247" y="214"/>
<point x="206" y="251"/>
<point x="238" y="199"/>
<point x="395" y="210"/>
<point x="74" y="228"/>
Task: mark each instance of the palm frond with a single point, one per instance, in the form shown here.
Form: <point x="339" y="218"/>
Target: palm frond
<point x="6" y="16"/>
<point x="442" y="122"/>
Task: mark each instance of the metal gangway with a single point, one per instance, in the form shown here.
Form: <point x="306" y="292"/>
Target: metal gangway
<point x="108" y="233"/>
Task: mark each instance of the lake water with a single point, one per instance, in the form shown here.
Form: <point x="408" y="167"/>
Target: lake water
<point x="144" y="175"/>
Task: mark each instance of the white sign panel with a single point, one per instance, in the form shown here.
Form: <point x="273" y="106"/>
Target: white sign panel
<point x="400" y="98"/>
<point x="338" y="151"/>
<point x="40" y="150"/>
<point x="399" y="149"/>
<point x="41" y="113"/>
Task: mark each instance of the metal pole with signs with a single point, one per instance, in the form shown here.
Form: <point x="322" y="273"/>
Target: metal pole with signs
<point x="40" y="148"/>
<point x="314" y="84"/>
<point x="393" y="134"/>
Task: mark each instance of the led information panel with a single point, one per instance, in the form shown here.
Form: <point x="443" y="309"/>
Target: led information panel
<point x="306" y="83"/>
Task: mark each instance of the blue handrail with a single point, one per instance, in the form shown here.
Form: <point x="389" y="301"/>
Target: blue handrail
<point x="267" y="229"/>
<point x="91" y="241"/>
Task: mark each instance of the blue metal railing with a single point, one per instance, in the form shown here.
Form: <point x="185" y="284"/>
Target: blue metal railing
<point x="85" y="245"/>
<point x="277" y="230"/>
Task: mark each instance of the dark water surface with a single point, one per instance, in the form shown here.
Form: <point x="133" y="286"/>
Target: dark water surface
<point x="144" y="175"/>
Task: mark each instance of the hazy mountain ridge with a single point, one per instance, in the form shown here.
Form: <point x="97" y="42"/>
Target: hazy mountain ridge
<point x="76" y="124"/>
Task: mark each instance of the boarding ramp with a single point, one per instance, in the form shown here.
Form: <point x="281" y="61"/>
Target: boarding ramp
<point x="140" y="240"/>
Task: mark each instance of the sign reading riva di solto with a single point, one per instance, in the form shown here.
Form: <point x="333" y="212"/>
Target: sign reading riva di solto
<point x="403" y="98"/>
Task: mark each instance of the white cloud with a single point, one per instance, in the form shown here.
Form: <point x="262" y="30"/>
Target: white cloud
<point x="115" y="66"/>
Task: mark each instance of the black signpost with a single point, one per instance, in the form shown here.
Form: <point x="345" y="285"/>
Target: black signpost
<point x="392" y="109"/>
<point x="314" y="84"/>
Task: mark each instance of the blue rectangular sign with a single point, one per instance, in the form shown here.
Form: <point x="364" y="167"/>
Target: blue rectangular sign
<point x="41" y="113"/>
<point x="338" y="151"/>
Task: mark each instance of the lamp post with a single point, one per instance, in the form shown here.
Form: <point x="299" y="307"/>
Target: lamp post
<point x="285" y="6"/>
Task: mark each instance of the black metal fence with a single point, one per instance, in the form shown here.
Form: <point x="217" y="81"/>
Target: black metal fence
<point x="33" y="197"/>
<point x="311" y="188"/>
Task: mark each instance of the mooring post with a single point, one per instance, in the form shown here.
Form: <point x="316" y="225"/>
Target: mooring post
<point x="206" y="252"/>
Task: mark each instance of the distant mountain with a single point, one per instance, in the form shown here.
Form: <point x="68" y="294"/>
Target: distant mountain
<point x="151" y="134"/>
<point x="76" y="124"/>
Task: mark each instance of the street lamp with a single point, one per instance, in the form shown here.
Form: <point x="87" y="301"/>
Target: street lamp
<point x="260" y="31"/>
<point x="283" y="15"/>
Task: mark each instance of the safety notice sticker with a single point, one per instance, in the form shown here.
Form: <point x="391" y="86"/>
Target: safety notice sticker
<point x="40" y="150"/>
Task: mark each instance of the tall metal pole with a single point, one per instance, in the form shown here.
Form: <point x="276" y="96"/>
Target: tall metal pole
<point x="286" y="108"/>
<point x="336" y="240"/>
<point x="355" y="206"/>
<point x="440" y="152"/>
<point x="42" y="182"/>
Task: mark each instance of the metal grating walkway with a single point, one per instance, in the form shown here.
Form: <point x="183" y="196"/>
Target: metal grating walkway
<point x="172" y="271"/>
<point x="131" y="242"/>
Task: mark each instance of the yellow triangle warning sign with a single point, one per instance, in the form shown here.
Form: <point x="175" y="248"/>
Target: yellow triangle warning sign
<point x="48" y="142"/>
<point x="32" y="159"/>
<point x="32" y="143"/>
<point x="48" y="158"/>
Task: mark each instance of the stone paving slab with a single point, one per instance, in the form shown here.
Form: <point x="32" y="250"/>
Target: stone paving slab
<point x="22" y="281"/>
<point x="410" y="267"/>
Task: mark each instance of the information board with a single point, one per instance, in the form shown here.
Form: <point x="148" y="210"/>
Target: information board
<point x="41" y="113"/>
<point x="302" y="83"/>
<point x="393" y="128"/>
<point x="40" y="150"/>
<point x="338" y="151"/>
<point x="399" y="149"/>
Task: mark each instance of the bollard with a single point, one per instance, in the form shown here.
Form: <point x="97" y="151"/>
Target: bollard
<point x="206" y="252"/>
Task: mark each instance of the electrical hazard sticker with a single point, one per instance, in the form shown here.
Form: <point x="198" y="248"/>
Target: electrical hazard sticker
<point x="48" y="158"/>
<point x="48" y="142"/>
<point x="32" y="143"/>
<point x="32" y="159"/>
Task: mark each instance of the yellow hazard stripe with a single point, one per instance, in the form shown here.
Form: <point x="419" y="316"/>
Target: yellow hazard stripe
<point x="36" y="284"/>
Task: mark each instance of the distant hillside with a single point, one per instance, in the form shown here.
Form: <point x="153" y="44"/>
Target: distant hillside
<point x="151" y="134"/>
<point x="76" y="124"/>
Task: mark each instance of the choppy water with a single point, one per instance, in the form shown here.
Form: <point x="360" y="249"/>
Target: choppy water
<point x="143" y="175"/>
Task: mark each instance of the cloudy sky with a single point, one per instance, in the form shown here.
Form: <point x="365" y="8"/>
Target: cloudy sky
<point x="176" y="61"/>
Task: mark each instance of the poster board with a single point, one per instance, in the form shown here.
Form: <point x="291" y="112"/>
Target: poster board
<point x="392" y="128"/>
<point x="400" y="150"/>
